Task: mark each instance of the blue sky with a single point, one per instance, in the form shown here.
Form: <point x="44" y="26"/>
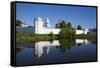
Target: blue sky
<point x="84" y="16"/>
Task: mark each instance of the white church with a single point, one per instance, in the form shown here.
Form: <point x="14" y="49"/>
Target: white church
<point x="43" y="27"/>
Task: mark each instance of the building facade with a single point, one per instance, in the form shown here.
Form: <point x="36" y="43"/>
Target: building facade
<point x="42" y="27"/>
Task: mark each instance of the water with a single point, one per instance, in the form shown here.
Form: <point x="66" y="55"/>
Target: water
<point x="57" y="51"/>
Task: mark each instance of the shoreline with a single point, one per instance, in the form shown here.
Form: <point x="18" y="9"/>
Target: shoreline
<point x="40" y="37"/>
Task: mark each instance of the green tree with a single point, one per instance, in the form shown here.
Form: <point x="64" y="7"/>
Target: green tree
<point x="67" y="33"/>
<point x="52" y="37"/>
<point x="69" y="25"/>
<point x="57" y="25"/>
<point x="18" y="22"/>
<point x="79" y="27"/>
<point x="63" y="24"/>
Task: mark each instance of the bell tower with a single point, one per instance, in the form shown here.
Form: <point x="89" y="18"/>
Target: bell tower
<point x="38" y="25"/>
<point x="47" y="22"/>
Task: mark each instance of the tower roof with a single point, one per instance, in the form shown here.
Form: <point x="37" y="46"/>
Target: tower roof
<point x="47" y="20"/>
<point x="38" y="18"/>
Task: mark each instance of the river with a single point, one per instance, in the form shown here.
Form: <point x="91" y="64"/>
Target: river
<point x="57" y="51"/>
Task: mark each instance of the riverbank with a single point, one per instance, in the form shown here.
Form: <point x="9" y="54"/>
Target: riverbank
<point x="31" y="37"/>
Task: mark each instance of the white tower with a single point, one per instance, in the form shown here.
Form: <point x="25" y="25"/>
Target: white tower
<point x="47" y="22"/>
<point x="86" y="31"/>
<point x="38" y="25"/>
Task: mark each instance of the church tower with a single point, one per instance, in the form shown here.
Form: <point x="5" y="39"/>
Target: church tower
<point x="47" y="22"/>
<point x="38" y="25"/>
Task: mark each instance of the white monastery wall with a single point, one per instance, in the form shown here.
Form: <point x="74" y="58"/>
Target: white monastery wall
<point x="81" y="31"/>
<point x="49" y="30"/>
<point x="40" y="28"/>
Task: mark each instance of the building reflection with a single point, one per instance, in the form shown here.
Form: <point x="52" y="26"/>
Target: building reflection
<point x="40" y="47"/>
<point x="85" y="41"/>
<point x="80" y="42"/>
<point x="44" y="46"/>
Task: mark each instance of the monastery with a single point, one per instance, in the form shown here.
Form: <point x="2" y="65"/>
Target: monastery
<point x="44" y="27"/>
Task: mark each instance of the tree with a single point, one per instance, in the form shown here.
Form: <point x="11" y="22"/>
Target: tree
<point x="57" y="25"/>
<point x="63" y="33"/>
<point x="79" y="27"/>
<point x="18" y="23"/>
<point x="69" y="25"/>
<point x="67" y="33"/>
<point x="92" y="31"/>
<point x="51" y="34"/>
<point x="63" y="24"/>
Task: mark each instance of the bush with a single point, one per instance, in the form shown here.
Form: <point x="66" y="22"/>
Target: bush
<point x="66" y="33"/>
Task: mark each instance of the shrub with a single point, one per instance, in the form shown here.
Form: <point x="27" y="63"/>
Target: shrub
<point x="66" y="33"/>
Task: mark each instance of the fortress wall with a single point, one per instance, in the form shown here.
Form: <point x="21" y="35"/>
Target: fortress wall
<point x="79" y="31"/>
<point x="40" y="29"/>
<point x="49" y="30"/>
<point x="56" y="31"/>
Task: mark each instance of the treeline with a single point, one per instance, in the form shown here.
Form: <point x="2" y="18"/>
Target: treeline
<point x="19" y="23"/>
<point x="63" y="24"/>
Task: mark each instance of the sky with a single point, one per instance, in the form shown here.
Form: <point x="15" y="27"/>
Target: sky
<point x="76" y="15"/>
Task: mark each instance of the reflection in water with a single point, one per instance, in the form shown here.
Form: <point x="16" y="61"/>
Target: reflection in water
<point x="85" y="41"/>
<point x="79" y="42"/>
<point x="40" y="46"/>
<point x="66" y="44"/>
<point x="56" y="51"/>
<point x="18" y="50"/>
<point x="44" y="46"/>
<point x="93" y="41"/>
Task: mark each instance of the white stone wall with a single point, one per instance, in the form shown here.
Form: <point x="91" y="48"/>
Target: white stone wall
<point x="81" y="31"/>
<point x="56" y="31"/>
<point x="49" y="30"/>
<point x="40" y="29"/>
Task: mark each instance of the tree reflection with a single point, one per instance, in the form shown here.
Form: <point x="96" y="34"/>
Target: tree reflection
<point x="79" y="44"/>
<point x="66" y="44"/>
<point x="93" y="41"/>
<point x="18" y="50"/>
<point x="36" y="58"/>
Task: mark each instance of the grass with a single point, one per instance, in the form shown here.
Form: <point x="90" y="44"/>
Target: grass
<point x="31" y="37"/>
